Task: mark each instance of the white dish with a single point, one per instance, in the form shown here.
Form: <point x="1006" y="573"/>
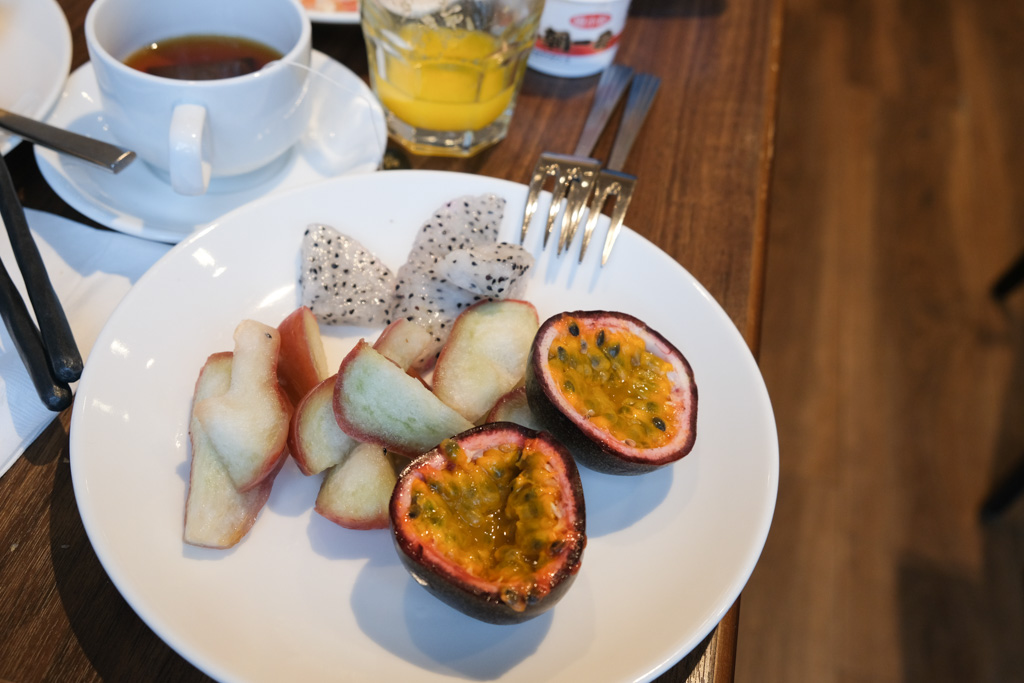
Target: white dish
<point x="35" y="49"/>
<point x="347" y="134"/>
<point x="302" y="599"/>
<point x="324" y="12"/>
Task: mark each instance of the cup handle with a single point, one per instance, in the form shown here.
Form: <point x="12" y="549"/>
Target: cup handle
<point x="189" y="150"/>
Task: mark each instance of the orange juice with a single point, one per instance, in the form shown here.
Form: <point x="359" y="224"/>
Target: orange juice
<point x="449" y="80"/>
<point x="447" y="71"/>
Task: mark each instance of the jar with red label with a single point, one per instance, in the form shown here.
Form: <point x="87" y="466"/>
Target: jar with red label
<point x="578" y="37"/>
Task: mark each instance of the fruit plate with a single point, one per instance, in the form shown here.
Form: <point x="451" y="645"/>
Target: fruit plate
<point x="303" y="599"/>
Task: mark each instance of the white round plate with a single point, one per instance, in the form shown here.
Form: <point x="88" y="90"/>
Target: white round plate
<point x="332" y="11"/>
<point x="35" y="51"/>
<point x="347" y="134"/>
<point x="304" y="600"/>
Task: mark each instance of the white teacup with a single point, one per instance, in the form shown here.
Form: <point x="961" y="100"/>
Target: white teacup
<point x="191" y="130"/>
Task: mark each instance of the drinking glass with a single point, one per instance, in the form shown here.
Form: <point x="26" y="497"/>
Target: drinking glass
<point x="448" y="71"/>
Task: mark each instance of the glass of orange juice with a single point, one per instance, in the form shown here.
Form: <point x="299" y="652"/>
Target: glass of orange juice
<point x="448" y="71"/>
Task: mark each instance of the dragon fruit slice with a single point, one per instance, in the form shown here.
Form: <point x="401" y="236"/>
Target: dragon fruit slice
<point x="493" y="270"/>
<point x="423" y="293"/>
<point x="461" y="223"/>
<point x="455" y="261"/>
<point x="342" y="282"/>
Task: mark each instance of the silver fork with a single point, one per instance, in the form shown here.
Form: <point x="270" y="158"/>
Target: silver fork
<point x="575" y="174"/>
<point x="611" y="181"/>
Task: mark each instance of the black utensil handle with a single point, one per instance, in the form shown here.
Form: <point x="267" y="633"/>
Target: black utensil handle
<point x="58" y="340"/>
<point x="56" y="395"/>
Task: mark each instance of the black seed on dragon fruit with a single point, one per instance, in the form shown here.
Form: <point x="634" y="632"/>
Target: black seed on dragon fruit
<point x="342" y="282"/>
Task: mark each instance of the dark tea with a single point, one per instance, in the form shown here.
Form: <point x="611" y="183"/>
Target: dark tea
<point x="202" y="57"/>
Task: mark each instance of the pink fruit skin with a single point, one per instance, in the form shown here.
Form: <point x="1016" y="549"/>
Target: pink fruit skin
<point x="301" y="360"/>
<point x="295" y="445"/>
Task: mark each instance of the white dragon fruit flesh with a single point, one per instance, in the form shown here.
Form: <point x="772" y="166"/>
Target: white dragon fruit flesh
<point x="342" y="282"/>
<point x="493" y="270"/>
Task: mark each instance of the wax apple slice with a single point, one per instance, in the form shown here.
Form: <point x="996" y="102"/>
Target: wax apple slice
<point x="248" y="424"/>
<point x="355" y="493"/>
<point x="314" y="438"/>
<point x="217" y="515"/>
<point x="513" y="407"/>
<point x="302" y="363"/>
<point x="406" y="343"/>
<point x="485" y="355"/>
<point x="376" y="401"/>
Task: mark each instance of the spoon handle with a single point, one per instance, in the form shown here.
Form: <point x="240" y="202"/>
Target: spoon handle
<point x="103" y="154"/>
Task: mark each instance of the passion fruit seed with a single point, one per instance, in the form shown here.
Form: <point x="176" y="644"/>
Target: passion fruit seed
<point x="616" y="394"/>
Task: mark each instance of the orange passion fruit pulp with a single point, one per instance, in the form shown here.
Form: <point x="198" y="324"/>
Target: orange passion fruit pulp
<point x="492" y="522"/>
<point x="617" y="393"/>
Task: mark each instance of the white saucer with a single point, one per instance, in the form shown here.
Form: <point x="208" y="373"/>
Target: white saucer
<point x="34" y="35"/>
<point x="347" y="134"/>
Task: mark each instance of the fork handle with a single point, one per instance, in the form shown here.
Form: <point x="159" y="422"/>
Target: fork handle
<point x="609" y="91"/>
<point x="641" y="96"/>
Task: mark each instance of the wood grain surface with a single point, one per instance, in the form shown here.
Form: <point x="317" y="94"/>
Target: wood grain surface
<point x="704" y="160"/>
<point x="897" y="381"/>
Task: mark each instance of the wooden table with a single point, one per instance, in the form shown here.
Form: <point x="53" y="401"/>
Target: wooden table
<point x="704" y="161"/>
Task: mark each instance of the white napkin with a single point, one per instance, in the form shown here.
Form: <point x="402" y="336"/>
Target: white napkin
<point x="91" y="270"/>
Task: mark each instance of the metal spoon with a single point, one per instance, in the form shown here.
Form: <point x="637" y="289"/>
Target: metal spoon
<point x="110" y="157"/>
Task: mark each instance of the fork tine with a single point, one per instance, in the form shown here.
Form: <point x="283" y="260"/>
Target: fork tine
<point x="609" y="184"/>
<point x="563" y="181"/>
<point x="622" y="199"/>
<point x="579" y="194"/>
<point x="540" y="173"/>
<point x="601" y="194"/>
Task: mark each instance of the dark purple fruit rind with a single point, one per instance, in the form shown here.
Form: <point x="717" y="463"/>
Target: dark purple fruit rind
<point x="480" y="605"/>
<point x="607" y="456"/>
<point x="444" y="584"/>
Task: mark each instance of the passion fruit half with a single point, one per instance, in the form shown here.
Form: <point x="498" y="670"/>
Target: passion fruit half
<point x="616" y="392"/>
<point x="492" y="522"/>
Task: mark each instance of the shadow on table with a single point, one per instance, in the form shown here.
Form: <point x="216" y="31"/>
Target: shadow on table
<point x="954" y="627"/>
<point x="967" y="623"/>
<point x="116" y="641"/>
